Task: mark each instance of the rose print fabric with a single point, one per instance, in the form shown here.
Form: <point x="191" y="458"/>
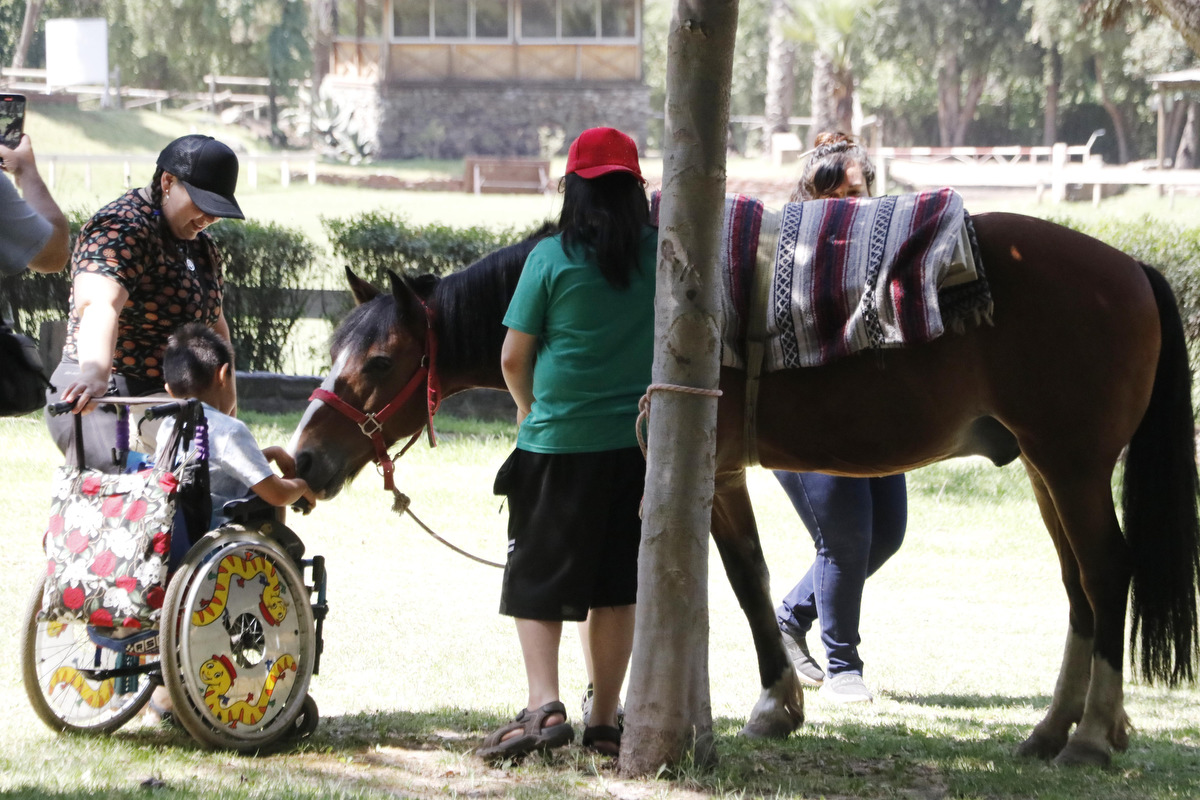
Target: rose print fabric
<point x="107" y="547"/>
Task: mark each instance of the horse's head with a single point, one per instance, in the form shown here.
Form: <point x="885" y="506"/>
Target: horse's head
<point x="380" y="356"/>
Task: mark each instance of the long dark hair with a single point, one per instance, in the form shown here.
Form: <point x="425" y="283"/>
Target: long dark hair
<point x="604" y="217"/>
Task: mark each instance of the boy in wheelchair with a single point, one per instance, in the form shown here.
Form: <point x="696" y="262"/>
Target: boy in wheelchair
<point x="198" y="364"/>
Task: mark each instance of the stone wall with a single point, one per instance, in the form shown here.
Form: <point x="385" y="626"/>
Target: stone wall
<point x="456" y="120"/>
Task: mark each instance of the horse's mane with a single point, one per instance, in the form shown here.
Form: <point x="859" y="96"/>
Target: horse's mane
<point x="470" y="304"/>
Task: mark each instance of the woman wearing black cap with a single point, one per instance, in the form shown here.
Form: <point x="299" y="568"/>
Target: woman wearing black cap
<point x="142" y="267"/>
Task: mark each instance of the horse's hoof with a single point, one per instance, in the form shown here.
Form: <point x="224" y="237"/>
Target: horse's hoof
<point x="1041" y="746"/>
<point x="1078" y="754"/>
<point x="776" y="727"/>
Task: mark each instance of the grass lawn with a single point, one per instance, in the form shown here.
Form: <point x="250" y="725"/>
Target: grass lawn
<point x="962" y="633"/>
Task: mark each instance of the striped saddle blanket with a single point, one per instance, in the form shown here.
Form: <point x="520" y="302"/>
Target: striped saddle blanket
<point x="847" y="275"/>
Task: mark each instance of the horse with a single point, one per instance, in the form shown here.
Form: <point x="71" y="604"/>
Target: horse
<point x="1085" y="360"/>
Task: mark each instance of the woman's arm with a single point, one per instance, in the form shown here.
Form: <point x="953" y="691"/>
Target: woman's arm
<point x="516" y="362"/>
<point x="98" y="301"/>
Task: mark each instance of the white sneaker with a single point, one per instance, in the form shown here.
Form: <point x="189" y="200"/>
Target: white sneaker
<point x="845" y="687"/>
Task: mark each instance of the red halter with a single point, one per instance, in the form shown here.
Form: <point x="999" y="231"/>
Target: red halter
<point x="371" y="424"/>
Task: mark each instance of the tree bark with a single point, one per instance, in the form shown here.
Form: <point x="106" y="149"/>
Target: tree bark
<point x="948" y="97"/>
<point x="1189" y="140"/>
<point x="33" y="10"/>
<point x="781" y="73"/>
<point x="1120" y="130"/>
<point x="669" y="711"/>
<point x="322" y="39"/>
<point x="824" y="96"/>
<point x="1185" y="16"/>
<point x="1051" y="78"/>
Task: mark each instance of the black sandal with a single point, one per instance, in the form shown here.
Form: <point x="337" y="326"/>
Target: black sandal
<point x="604" y="739"/>
<point x="536" y="735"/>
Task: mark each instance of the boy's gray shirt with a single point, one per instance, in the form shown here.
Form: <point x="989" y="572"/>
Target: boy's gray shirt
<point x="235" y="462"/>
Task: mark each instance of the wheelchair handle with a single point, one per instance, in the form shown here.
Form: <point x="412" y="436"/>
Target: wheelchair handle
<point x="61" y="407"/>
<point x="163" y="410"/>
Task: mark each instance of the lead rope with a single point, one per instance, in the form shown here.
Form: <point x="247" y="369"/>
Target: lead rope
<point x="401" y="504"/>
<point x="644" y="405"/>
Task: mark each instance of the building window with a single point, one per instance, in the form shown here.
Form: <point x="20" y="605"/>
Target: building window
<point x="451" y="19"/>
<point x="491" y="19"/>
<point x="618" y="19"/>
<point x="578" y="19"/>
<point x="358" y="19"/>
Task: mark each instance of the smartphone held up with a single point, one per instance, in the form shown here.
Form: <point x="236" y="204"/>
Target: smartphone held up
<point x="12" y="119"/>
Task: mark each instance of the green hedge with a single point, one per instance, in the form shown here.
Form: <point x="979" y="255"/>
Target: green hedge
<point x="264" y="267"/>
<point x="373" y="243"/>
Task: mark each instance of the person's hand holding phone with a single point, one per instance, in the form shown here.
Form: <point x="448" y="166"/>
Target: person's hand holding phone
<point x="16" y="154"/>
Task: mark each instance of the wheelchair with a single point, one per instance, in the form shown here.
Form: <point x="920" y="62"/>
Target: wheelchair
<point x="238" y="642"/>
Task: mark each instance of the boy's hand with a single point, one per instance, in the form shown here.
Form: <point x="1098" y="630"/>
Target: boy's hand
<point x="282" y="458"/>
<point x="308" y="499"/>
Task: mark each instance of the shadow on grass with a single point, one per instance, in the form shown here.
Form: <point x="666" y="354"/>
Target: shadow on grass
<point x="974" y="700"/>
<point x="939" y="755"/>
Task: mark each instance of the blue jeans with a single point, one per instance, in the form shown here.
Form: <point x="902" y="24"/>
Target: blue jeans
<point x="857" y="524"/>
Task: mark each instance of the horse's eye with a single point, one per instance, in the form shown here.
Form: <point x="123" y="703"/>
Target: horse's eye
<point x="378" y="365"/>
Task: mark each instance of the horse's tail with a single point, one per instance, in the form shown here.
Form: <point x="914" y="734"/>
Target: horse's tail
<point x="1159" y="506"/>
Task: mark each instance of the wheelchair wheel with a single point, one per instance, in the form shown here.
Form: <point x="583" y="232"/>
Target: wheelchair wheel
<point x="53" y="657"/>
<point x="238" y="641"/>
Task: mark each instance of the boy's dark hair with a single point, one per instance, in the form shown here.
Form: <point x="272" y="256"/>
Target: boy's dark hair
<point x="195" y="352"/>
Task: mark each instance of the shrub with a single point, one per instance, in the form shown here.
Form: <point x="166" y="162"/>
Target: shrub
<point x="373" y="243"/>
<point x="264" y="266"/>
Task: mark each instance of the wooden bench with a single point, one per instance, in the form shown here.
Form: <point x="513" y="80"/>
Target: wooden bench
<point x="495" y="175"/>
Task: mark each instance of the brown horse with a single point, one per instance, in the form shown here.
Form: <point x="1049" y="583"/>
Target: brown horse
<point x="1085" y="358"/>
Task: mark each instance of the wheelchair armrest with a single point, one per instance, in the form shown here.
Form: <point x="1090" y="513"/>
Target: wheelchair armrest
<point x="250" y="507"/>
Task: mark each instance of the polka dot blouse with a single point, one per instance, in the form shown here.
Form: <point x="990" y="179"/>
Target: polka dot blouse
<point x="170" y="282"/>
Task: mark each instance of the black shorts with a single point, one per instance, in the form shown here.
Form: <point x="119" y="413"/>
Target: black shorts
<point x="573" y="532"/>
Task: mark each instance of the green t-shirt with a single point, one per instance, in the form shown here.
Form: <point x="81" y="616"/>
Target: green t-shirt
<point x="594" y="352"/>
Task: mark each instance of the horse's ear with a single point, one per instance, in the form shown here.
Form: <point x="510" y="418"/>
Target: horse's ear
<point x="362" y="291"/>
<point x="409" y="303"/>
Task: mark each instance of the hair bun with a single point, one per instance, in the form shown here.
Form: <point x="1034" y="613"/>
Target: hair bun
<point x="832" y="137"/>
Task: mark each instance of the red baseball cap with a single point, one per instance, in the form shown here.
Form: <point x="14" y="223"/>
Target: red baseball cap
<point x="599" y="151"/>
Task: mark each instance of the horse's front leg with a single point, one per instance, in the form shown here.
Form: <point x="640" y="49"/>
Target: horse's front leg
<point x="780" y="707"/>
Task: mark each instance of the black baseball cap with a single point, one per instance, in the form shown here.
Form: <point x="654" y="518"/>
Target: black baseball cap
<point x="209" y="170"/>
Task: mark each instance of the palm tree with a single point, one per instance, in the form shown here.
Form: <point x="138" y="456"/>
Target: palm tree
<point x="829" y="28"/>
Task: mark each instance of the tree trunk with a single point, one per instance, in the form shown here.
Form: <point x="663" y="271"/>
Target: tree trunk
<point x="1114" y="113"/>
<point x="843" y="99"/>
<point x="322" y="40"/>
<point x="1051" y="78"/>
<point x="824" y="96"/>
<point x="966" y="114"/>
<point x="33" y="10"/>
<point x="1185" y="16"/>
<point x="781" y="74"/>
<point x="948" y="97"/>
<point x="1189" y="141"/>
<point x="669" y="712"/>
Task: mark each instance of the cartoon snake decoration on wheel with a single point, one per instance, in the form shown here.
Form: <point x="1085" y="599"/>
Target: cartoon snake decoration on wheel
<point x="218" y="674"/>
<point x="271" y="604"/>
<point x="96" y="697"/>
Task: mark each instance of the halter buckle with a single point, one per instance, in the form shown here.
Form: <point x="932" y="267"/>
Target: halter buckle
<point x="370" y="426"/>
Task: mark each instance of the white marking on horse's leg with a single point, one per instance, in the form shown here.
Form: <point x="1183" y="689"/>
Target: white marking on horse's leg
<point x="327" y="385"/>
<point x="1067" y="706"/>
<point x="770" y="717"/>
<point x="1104" y="723"/>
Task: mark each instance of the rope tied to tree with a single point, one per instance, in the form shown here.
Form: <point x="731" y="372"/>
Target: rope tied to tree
<point x="643" y="418"/>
